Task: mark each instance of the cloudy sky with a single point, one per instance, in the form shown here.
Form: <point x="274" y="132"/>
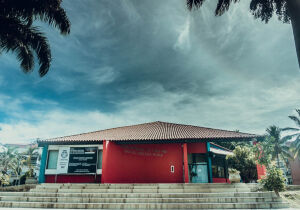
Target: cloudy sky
<point x="134" y="61"/>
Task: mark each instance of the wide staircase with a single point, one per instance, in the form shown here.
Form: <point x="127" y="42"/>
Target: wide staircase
<point x="142" y="196"/>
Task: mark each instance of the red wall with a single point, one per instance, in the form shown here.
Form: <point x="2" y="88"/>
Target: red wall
<point x="72" y="179"/>
<point x="261" y="171"/>
<point x="142" y="163"/>
<point x="295" y="169"/>
<point x="196" y="147"/>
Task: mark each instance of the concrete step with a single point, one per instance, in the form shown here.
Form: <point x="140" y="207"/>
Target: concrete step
<point x="117" y="190"/>
<point x="142" y="195"/>
<point x="140" y="200"/>
<point x="256" y="205"/>
<point x="146" y="184"/>
<point x="143" y="186"/>
<point x="112" y="186"/>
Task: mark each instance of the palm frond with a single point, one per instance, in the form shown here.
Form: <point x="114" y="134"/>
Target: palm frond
<point x="285" y="148"/>
<point x="25" y="56"/>
<point x="21" y="38"/>
<point x="18" y="35"/>
<point x="296" y="143"/>
<point x="288" y="137"/>
<point x="223" y="6"/>
<point x="281" y="10"/>
<point x="295" y="119"/>
<point x="262" y="9"/>
<point x="274" y="131"/>
<point x="41" y="46"/>
<point x="290" y="129"/>
<point x="57" y="18"/>
<point x="49" y="11"/>
<point x="194" y="4"/>
<point x="298" y="111"/>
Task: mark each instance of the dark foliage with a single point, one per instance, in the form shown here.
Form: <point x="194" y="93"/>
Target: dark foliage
<point x="274" y="180"/>
<point x="23" y="179"/>
<point x="17" y="33"/>
<point x="243" y="160"/>
<point x="262" y="9"/>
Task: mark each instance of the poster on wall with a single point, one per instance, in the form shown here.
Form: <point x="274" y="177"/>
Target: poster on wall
<point x="82" y="160"/>
<point x="63" y="160"/>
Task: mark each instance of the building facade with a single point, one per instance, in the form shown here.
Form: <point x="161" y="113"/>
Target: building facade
<point x="155" y="152"/>
<point x="294" y="171"/>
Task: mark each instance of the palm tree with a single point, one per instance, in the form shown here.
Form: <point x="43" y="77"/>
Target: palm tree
<point x="29" y="154"/>
<point x="6" y="158"/>
<point x="17" y="164"/>
<point x="296" y="143"/>
<point x="286" y="10"/>
<point x="17" y="33"/>
<point x="277" y="145"/>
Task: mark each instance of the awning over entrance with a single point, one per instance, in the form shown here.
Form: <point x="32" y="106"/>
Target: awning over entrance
<point x="220" y="151"/>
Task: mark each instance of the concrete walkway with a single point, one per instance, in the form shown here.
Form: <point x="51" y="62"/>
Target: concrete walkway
<point x="124" y="209"/>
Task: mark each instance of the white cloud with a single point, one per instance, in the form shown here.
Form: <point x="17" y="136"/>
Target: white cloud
<point x="103" y="75"/>
<point x="183" y="40"/>
<point x="130" y="10"/>
<point x="239" y="110"/>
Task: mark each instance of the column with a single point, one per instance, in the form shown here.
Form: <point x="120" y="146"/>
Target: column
<point x="209" y="168"/>
<point x="43" y="164"/>
<point x="103" y="161"/>
<point x="185" y="162"/>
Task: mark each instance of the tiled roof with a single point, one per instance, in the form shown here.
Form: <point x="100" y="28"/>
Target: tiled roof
<point x="162" y="131"/>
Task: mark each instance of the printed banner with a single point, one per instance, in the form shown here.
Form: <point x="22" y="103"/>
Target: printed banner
<point x="63" y="160"/>
<point x="82" y="160"/>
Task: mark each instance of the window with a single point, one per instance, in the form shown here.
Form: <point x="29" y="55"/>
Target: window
<point x="52" y="159"/>
<point x="99" y="164"/>
<point x="218" y="167"/>
<point x="196" y="158"/>
<point x="218" y="171"/>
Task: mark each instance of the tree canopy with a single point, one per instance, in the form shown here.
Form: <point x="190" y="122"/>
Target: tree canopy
<point x="286" y="10"/>
<point x="243" y="160"/>
<point x="19" y="35"/>
<point x="262" y="9"/>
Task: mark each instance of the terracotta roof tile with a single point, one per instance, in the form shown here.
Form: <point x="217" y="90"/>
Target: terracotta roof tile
<point x="154" y="131"/>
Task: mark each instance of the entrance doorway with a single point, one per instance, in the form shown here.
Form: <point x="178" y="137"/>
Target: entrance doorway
<point x="198" y="171"/>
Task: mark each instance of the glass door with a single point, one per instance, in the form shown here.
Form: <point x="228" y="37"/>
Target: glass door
<point x="198" y="171"/>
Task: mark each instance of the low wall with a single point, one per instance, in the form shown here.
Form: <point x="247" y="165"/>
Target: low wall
<point x="18" y="188"/>
<point x="73" y="178"/>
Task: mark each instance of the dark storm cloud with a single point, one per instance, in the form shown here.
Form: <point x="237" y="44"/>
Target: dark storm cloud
<point x="131" y="61"/>
<point x="135" y="42"/>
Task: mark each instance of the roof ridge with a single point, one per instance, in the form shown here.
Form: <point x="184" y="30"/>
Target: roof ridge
<point x="208" y="128"/>
<point x="101" y="130"/>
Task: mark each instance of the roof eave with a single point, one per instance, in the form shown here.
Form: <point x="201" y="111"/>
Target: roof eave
<point x="150" y="141"/>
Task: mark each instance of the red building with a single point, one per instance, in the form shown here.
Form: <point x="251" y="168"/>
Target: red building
<point x="295" y="171"/>
<point x="156" y="152"/>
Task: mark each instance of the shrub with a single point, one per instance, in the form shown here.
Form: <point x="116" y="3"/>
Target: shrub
<point x="4" y="179"/>
<point x="243" y="160"/>
<point x="274" y="180"/>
